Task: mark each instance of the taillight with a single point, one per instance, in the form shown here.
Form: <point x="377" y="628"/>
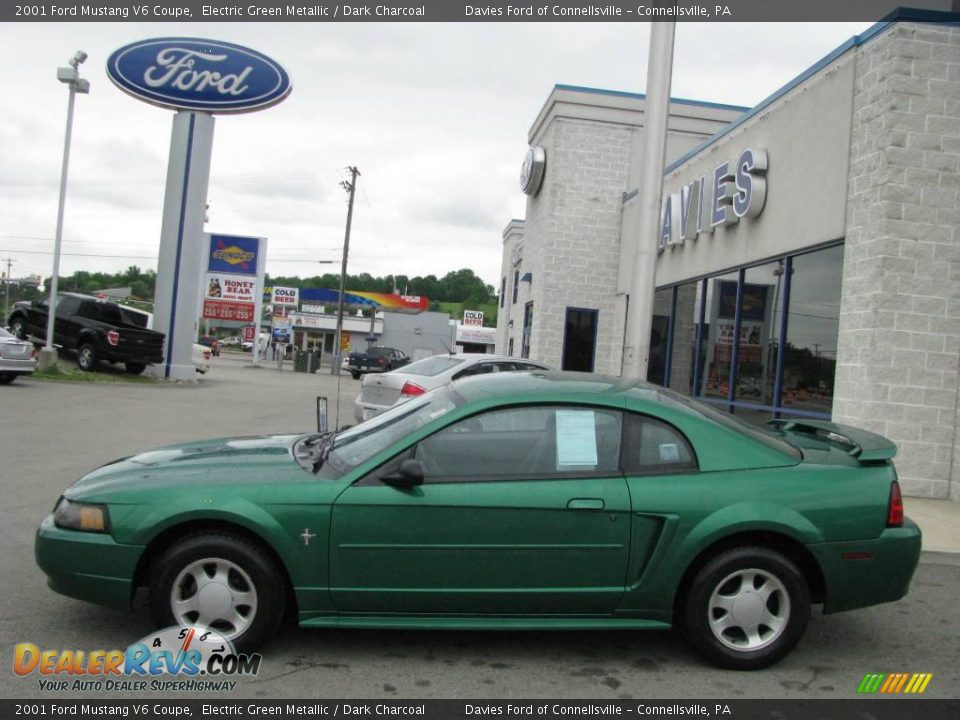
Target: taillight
<point x="113" y="337"/>
<point x="410" y="389"/>
<point x="381" y="361"/>
<point x="895" y="506"/>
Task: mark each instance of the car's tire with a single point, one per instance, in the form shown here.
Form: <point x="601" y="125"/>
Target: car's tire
<point x="18" y="328"/>
<point x="7" y="378"/>
<point x="135" y="368"/>
<point x="245" y="588"/>
<point x="746" y="608"/>
<point x="87" y="357"/>
<point x="355" y="375"/>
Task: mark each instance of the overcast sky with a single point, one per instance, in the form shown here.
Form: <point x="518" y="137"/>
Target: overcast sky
<point x="435" y="117"/>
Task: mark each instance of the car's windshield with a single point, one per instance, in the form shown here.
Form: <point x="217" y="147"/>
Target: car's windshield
<point x="355" y="446"/>
<point x="431" y="366"/>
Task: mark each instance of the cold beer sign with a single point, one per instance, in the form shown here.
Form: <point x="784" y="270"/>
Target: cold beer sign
<point x="285" y="297"/>
<point x="732" y="191"/>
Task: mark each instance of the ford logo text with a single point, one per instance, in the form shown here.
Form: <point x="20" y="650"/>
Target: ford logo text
<point x="194" y="74"/>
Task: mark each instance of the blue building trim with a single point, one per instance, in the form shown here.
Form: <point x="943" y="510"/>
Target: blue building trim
<point x="643" y="96"/>
<point x="899" y="15"/>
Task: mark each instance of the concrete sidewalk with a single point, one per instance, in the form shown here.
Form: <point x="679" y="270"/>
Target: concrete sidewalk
<point x="939" y="520"/>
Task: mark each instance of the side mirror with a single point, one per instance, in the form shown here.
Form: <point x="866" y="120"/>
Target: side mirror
<point x="409" y="474"/>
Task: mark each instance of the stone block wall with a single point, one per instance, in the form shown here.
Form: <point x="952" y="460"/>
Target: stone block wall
<point x="899" y="340"/>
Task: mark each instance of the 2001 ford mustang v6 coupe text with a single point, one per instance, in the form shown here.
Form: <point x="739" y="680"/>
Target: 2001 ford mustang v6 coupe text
<point x="521" y="500"/>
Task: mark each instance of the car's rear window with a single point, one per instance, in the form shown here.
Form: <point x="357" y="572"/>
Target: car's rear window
<point x="431" y="366"/>
<point x="730" y="421"/>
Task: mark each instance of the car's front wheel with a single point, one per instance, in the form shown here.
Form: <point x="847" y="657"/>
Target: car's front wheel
<point x="220" y="581"/>
<point x="746" y="608"/>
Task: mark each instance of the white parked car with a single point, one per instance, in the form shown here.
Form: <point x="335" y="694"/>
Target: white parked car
<point x="17" y="357"/>
<point x="381" y="391"/>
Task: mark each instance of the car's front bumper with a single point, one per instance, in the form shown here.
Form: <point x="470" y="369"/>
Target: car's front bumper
<point x="87" y="566"/>
<point x="869" y="572"/>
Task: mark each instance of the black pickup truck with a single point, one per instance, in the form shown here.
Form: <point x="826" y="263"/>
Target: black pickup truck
<point x="376" y="359"/>
<point x="96" y="329"/>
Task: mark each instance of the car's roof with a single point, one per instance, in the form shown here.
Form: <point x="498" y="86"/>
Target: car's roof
<point x="486" y="357"/>
<point x="541" y="383"/>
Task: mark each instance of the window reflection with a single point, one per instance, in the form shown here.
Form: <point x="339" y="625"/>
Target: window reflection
<point x="812" y="296"/>
<point x="684" y="337"/>
<point x="721" y="306"/>
<point x="659" y="331"/>
<point x="813" y="321"/>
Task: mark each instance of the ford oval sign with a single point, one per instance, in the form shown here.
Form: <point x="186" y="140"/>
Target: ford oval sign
<point x="194" y="74"/>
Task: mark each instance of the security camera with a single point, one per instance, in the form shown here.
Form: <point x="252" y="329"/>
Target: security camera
<point x="78" y="57"/>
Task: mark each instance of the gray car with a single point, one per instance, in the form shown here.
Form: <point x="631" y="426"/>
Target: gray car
<point x="382" y="391"/>
<point x="17" y="357"/>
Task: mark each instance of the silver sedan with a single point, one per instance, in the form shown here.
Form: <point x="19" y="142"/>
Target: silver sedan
<point x="381" y="391"/>
<point x="17" y="357"/>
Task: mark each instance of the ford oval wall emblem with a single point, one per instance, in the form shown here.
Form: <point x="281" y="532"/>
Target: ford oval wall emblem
<point x="196" y="74"/>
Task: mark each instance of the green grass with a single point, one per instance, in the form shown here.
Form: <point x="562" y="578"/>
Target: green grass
<point x="65" y="372"/>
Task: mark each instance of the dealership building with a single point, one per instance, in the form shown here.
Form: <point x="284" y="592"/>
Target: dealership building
<point x="809" y="249"/>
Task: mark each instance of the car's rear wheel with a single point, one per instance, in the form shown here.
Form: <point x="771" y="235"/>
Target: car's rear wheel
<point x="746" y="608"/>
<point x="135" y="368"/>
<point x="220" y="581"/>
<point x="87" y="357"/>
<point x="355" y="375"/>
<point x="18" y="329"/>
<point x="7" y="378"/>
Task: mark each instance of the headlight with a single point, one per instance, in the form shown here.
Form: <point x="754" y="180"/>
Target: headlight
<point x="85" y="517"/>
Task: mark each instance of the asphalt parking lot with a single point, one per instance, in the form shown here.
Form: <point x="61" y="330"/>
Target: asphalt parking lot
<point x="53" y="432"/>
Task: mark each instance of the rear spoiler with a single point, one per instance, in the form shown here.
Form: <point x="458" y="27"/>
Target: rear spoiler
<point x="864" y="446"/>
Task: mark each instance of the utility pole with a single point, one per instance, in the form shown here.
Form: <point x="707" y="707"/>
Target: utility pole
<point x="6" y="287"/>
<point x="351" y="187"/>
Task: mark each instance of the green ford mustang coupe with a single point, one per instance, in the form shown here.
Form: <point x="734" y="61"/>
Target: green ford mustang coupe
<point x="517" y="501"/>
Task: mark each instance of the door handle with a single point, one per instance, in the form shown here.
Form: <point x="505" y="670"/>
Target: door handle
<point x="585" y="504"/>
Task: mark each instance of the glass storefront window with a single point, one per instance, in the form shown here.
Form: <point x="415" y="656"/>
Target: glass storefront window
<point x="659" y="331"/>
<point x="813" y="321"/>
<point x="685" y="322"/>
<point x="795" y="379"/>
<point x="718" y="340"/>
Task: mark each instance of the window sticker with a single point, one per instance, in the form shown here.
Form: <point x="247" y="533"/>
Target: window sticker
<point x="669" y="453"/>
<point x="576" y="439"/>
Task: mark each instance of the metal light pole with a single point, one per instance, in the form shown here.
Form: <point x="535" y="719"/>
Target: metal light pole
<point x="636" y="355"/>
<point x="70" y="76"/>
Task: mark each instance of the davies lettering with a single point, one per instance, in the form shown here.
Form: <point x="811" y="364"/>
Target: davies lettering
<point x="732" y="191"/>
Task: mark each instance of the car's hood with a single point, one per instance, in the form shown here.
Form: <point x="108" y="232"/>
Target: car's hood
<point x="240" y="460"/>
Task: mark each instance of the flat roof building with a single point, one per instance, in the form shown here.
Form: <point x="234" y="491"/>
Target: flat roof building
<point x="809" y="249"/>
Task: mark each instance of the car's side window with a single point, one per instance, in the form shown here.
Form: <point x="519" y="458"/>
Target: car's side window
<point x="652" y="447"/>
<point x="529" y="442"/>
<point x="478" y="369"/>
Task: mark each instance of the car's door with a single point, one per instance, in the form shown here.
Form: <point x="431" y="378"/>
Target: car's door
<point x="522" y="511"/>
<point x="66" y="328"/>
<point x="665" y="485"/>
